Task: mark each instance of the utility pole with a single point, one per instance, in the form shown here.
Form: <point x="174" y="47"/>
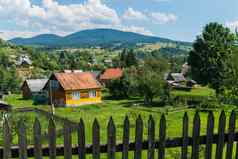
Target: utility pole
<point x="52" y="107"/>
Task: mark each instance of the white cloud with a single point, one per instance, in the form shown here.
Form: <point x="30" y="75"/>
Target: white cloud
<point x="163" y="18"/>
<point x="57" y="17"/>
<point x="232" y="25"/>
<point x="131" y="14"/>
<point x="139" y="30"/>
<point x="29" y="19"/>
<point x="154" y="17"/>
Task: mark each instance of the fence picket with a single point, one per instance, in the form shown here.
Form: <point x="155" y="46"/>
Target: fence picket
<point x="151" y="137"/>
<point x="126" y="138"/>
<point x="231" y="135"/>
<point x="37" y="139"/>
<point x="52" y="139"/>
<point x="67" y="141"/>
<point x="22" y="140"/>
<point x="96" y="140"/>
<point x="221" y="136"/>
<point x="210" y="131"/>
<point x="6" y="140"/>
<point x="236" y="157"/>
<point x="162" y="137"/>
<point x="185" y="137"/>
<point x="81" y="140"/>
<point x="111" y="139"/>
<point x="138" y="138"/>
<point x="196" y="133"/>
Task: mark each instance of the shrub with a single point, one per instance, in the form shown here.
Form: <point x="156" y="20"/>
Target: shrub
<point x="40" y="99"/>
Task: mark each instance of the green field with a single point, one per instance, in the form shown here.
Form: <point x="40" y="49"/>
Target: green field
<point x="118" y="109"/>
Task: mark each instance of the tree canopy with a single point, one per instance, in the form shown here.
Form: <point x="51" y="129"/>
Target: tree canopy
<point x="209" y="59"/>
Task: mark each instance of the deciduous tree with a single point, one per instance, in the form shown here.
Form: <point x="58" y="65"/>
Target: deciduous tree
<point x="209" y="59"/>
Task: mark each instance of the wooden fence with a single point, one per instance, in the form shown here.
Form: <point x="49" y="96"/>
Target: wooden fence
<point x="224" y="137"/>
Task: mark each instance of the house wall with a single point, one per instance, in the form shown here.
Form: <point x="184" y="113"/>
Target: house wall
<point x="58" y="98"/>
<point x="84" y="98"/>
<point x="26" y="93"/>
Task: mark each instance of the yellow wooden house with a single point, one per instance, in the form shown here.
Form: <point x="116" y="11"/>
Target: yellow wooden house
<point x="73" y="89"/>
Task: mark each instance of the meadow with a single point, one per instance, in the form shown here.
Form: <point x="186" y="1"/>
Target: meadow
<point x="118" y="109"/>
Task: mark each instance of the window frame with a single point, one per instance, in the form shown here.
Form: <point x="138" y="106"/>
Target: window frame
<point x="92" y="94"/>
<point x="76" y="95"/>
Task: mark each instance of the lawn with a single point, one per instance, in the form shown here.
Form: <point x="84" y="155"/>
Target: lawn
<point x="118" y="109"/>
<point x="198" y="91"/>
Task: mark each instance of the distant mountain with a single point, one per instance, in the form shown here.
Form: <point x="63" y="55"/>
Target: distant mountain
<point x="44" y="39"/>
<point x="94" y="37"/>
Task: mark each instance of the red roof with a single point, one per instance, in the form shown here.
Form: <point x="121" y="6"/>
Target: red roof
<point x="77" y="81"/>
<point x="111" y="73"/>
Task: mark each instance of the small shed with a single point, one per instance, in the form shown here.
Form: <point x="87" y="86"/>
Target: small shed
<point x="33" y="87"/>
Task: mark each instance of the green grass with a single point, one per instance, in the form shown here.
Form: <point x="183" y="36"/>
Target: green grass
<point x="16" y="101"/>
<point x="199" y="91"/>
<point x="118" y="109"/>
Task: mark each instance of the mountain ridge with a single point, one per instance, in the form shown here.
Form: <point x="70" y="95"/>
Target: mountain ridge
<point x="92" y="37"/>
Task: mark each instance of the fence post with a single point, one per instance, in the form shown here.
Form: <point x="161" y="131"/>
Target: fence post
<point x="221" y="136"/>
<point x="67" y="141"/>
<point x="231" y="135"/>
<point x="196" y="134"/>
<point x="151" y="138"/>
<point x="162" y="136"/>
<point x="111" y="139"/>
<point x="6" y="140"/>
<point x="37" y="139"/>
<point x="96" y="140"/>
<point x="81" y="140"/>
<point x="126" y="138"/>
<point x="22" y="140"/>
<point x="184" y="149"/>
<point x="210" y="131"/>
<point x="52" y="139"/>
<point x="138" y="138"/>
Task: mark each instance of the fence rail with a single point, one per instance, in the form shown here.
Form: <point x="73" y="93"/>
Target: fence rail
<point x="224" y="137"/>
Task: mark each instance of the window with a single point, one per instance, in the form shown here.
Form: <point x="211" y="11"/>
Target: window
<point x="76" y="95"/>
<point x="92" y="94"/>
<point x="54" y="84"/>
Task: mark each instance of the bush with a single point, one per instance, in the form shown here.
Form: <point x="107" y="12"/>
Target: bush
<point x="194" y="100"/>
<point x="209" y="103"/>
<point x="40" y="99"/>
<point x="118" y="88"/>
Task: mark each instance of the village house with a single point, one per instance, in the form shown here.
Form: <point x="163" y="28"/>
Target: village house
<point x="178" y="81"/>
<point x="73" y="89"/>
<point x="24" y="60"/>
<point x="33" y="87"/>
<point x="110" y="74"/>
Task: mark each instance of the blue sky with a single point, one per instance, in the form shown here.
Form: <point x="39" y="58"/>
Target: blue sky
<point x="175" y="19"/>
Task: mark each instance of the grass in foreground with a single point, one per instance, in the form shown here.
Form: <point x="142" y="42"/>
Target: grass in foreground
<point x="118" y="109"/>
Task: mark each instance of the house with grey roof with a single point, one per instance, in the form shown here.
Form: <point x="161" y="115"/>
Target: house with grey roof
<point x="33" y="87"/>
<point x="177" y="77"/>
<point x="24" y="60"/>
<point x="178" y="81"/>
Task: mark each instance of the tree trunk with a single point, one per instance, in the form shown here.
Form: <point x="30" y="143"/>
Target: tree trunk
<point x="148" y="100"/>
